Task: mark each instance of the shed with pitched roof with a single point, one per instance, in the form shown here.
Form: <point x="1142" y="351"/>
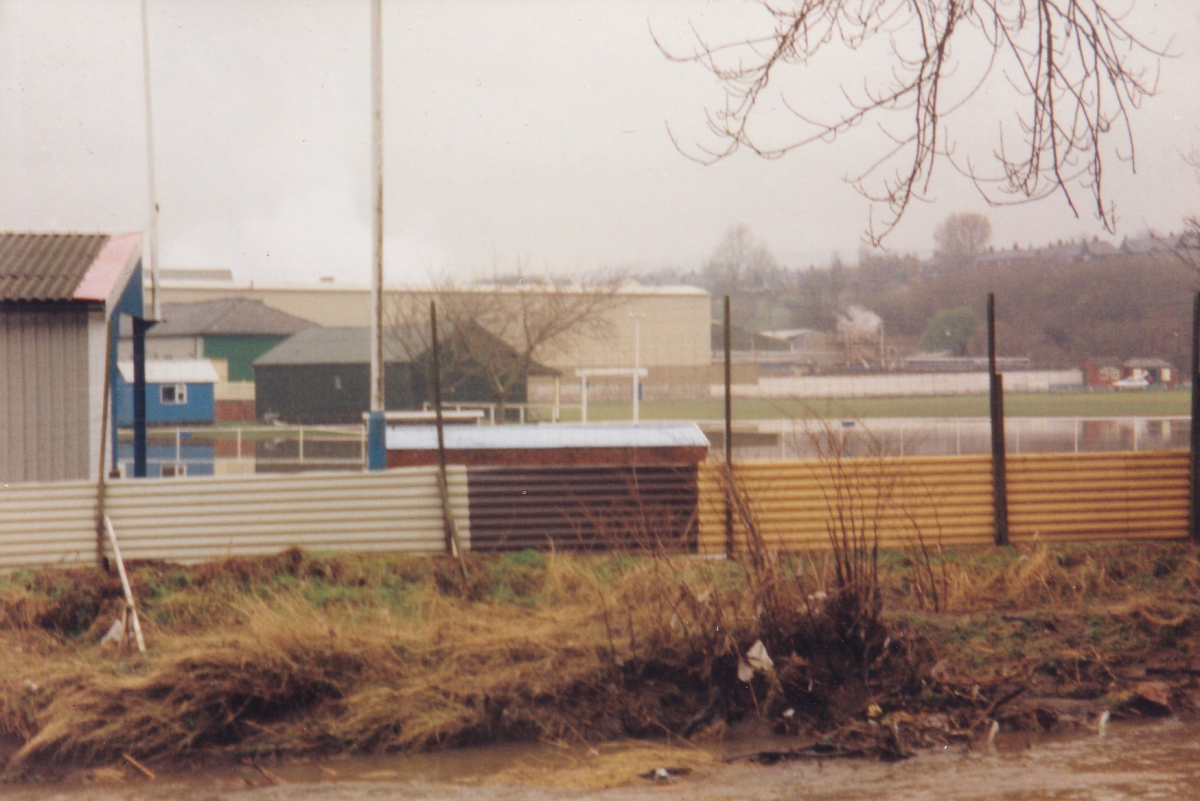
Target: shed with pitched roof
<point x="59" y="296"/>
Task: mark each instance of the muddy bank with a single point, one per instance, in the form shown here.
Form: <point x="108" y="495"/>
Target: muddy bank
<point x="261" y="660"/>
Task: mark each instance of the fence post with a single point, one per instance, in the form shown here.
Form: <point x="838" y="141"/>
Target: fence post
<point x="996" y="407"/>
<point x="450" y="525"/>
<point x="1194" y="472"/>
<point x="728" y="435"/>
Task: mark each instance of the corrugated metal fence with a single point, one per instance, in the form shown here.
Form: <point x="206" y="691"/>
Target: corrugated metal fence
<point x="197" y="519"/>
<point x="947" y="500"/>
<point x="795" y="505"/>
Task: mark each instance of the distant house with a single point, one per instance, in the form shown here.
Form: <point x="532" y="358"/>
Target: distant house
<point x="178" y="391"/>
<point x="1102" y="371"/>
<point x="59" y="295"/>
<point x="1158" y="372"/>
<point x="322" y="375"/>
<point x="1107" y="370"/>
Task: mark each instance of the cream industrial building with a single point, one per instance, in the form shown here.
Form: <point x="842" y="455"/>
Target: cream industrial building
<point x="669" y="325"/>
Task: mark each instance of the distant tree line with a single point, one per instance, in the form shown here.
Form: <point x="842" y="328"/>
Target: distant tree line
<point x="1056" y="310"/>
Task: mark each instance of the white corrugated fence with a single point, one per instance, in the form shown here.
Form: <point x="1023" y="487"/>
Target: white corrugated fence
<point x="198" y="519"/>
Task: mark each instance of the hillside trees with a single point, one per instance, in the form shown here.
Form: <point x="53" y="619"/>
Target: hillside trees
<point x="950" y="330"/>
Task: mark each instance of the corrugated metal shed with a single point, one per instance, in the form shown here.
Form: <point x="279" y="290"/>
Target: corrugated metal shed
<point x="45" y="267"/>
<point x="547" y="436"/>
<point x="174" y="371"/>
<point x="615" y="508"/>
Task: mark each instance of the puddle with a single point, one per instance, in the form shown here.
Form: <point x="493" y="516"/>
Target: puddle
<point x="1149" y="761"/>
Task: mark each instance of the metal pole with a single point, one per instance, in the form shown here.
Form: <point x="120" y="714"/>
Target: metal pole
<point x="583" y="382"/>
<point x="151" y="184"/>
<point x="239" y="443"/>
<point x="376" y="422"/>
<point x="139" y="397"/>
<point x="996" y="407"/>
<point x="1194" y="472"/>
<point x="637" y="362"/>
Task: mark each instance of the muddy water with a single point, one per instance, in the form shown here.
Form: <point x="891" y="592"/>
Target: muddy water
<point x="1160" y="761"/>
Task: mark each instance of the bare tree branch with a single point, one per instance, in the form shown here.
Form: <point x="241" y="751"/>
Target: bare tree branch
<point x="1076" y="69"/>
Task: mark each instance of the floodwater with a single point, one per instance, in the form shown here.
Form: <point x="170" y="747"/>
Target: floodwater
<point x="940" y="437"/>
<point x="1143" y="761"/>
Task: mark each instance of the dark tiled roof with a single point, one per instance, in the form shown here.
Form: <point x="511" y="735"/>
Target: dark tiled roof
<point x="353" y="346"/>
<point x="226" y="317"/>
<point x="45" y="267"/>
<point x="329" y="346"/>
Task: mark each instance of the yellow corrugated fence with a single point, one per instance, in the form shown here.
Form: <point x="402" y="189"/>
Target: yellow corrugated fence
<point x="947" y="500"/>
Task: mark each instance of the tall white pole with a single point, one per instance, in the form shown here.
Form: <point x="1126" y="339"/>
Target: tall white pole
<point x="377" y="198"/>
<point x="376" y="425"/>
<point x="152" y="223"/>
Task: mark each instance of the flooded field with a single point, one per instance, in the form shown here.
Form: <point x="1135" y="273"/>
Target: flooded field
<point x="1142" y="761"/>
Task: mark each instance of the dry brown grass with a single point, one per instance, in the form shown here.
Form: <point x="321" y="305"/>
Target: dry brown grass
<point x="275" y="668"/>
<point x="306" y="653"/>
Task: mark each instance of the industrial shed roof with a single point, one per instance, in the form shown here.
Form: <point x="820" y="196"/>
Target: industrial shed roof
<point x="329" y="346"/>
<point x="65" y="267"/>
<point x="223" y="317"/>
<point x="548" y="436"/>
<point x="353" y="346"/>
<point x="173" y="371"/>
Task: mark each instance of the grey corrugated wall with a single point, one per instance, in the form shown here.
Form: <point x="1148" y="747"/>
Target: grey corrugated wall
<point x="44" y="410"/>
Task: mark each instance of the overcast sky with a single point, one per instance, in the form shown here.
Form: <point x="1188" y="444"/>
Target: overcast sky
<point x="515" y="129"/>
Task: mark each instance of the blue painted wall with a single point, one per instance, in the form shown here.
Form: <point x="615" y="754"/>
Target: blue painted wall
<point x="200" y="407"/>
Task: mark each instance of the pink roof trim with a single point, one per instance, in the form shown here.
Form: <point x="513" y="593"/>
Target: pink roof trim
<point x="111" y="270"/>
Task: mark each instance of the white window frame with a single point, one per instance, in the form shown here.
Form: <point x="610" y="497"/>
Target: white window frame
<point x="180" y="394"/>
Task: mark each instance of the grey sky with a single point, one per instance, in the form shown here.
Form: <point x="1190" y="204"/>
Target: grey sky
<point x="530" y="129"/>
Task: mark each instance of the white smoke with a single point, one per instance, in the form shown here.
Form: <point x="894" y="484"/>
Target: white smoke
<point x="857" y="324"/>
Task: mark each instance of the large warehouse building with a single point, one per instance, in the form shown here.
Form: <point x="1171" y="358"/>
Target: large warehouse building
<point x="668" y="327"/>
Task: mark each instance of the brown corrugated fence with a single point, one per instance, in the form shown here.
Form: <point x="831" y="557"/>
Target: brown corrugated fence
<point x="607" y="507"/>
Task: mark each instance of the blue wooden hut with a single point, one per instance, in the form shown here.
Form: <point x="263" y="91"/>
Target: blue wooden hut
<point x="178" y="392"/>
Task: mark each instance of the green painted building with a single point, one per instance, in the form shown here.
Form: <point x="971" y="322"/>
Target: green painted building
<point x="235" y="330"/>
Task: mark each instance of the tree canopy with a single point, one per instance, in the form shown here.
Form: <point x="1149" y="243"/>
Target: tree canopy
<point x="961" y="237"/>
